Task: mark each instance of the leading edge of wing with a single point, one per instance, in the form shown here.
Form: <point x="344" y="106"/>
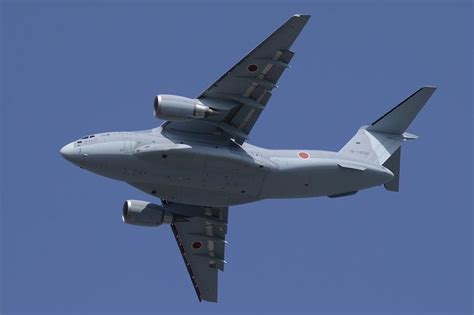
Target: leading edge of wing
<point x="298" y="21"/>
<point x="201" y="242"/>
<point x="186" y="261"/>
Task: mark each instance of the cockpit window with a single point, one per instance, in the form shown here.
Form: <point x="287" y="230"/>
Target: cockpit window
<point x="87" y="137"/>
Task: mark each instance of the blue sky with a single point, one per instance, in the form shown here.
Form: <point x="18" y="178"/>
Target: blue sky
<point x="70" y="69"/>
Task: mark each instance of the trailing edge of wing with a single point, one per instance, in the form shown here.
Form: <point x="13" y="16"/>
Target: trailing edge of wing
<point x="186" y="261"/>
<point x="245" y="89"/>
<point x="201" y="242"/>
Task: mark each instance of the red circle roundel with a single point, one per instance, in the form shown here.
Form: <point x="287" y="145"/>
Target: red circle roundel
<point x="252" y="68"/>
<point x="303" y="155"/>
<point x="197" y="245"/>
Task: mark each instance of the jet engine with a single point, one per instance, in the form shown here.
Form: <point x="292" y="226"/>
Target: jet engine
<point x="144" y="213"/>
<point x="179" y="108"/>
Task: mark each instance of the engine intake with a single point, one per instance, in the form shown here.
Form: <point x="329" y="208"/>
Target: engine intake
<point x="137" y="212"/>
<point x="179" y="108"/>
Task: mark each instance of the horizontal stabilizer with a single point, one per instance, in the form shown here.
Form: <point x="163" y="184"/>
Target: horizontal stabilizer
<point x="398" y="119"/>
<point x="379" y="141"/>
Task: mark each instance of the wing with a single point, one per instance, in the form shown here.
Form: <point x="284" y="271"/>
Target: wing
<point x="201" y="241"/>
<point x="241" y="94"/>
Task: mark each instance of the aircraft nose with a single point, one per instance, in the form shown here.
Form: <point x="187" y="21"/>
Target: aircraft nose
<point x="69" y="152"/>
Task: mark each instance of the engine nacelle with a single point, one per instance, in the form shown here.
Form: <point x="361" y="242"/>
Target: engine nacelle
<point x="144" y="213"/>
<point x="179" y="108"/>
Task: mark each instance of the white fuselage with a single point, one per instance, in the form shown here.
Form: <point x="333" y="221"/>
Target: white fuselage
<point x="218" y="173"/>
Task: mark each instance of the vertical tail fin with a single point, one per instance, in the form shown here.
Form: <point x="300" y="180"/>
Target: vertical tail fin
<point x="380" y="142"/>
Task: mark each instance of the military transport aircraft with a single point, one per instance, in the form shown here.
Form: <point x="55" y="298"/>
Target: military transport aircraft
<point x="199" y="163"/>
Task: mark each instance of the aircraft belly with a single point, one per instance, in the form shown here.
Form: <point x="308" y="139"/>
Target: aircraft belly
<point x="203" y="176"/>
<point x="321" y="177"/>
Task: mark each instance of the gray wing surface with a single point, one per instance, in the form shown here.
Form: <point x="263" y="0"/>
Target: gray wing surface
<point x="201" y="241"/>
<point x="242" y="93"/>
